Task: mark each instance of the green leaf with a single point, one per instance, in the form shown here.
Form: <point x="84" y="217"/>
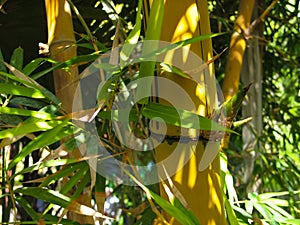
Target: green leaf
<point x="74" y="61"/>
<point x="30" y="102"/>
<point x="230" y="212"/>
<point x="50" y="163"/>
<point x="24" y="112"/>
<point x="63" y="172"/>
<point x="33" y="65"/>
<point x="17" y="58"/>
<point x="170" y="115"/>
<point x="21" y="91"/>
<point x="179" y="214"/>
<point x="75" y="179"/>
<point x="2" y="66"/>
<point x="169" y="68"/>
<point x="179" y="117"/>
<point x="46" y="195"/>
<point x="11" y="119"/>
<point x="57" y="198"/>
<point x="174" y="46"/>
<point x="154" y="26"/>
<point x="49" y="137"/>
<point x="27" y="128"/>
<point x="29" y="82"/>
<point x="187" y="212"/>
<point x="50" y="219"/>
<point x="28" y="208"/>
<point x="132" y="38"/>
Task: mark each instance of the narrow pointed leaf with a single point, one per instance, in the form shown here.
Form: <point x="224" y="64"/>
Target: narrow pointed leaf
<point x="57" y="198"/>
<point x="132" y="38"/>
<point x="49" y="137"/>
<point x="34" y="84"/>
<point x="29" y="128"/>
<point x="24" y="112"/>
<point x="17" y="58"/>
<point x="2" y="66"/>
<point x="11" y="89"/>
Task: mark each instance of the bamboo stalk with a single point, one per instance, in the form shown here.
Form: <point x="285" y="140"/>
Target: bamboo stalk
<point x="237" y="49"/>
<point x="61" y="41"/>
<point x="201" y="190"/>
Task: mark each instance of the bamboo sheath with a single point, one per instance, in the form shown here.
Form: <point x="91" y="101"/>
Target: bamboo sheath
<point x="201" y="190"/>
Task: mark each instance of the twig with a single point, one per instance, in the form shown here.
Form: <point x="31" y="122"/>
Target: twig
<point x="254" y="24"/>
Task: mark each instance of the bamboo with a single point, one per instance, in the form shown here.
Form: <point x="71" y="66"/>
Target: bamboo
<point x="237" y="49"/>
<point x="61" y="46"/>
<point x="61" y="41"/>
<point x="201" y="190"/>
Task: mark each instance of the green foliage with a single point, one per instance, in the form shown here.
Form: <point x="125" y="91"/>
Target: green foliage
<point x="32" y="124"/>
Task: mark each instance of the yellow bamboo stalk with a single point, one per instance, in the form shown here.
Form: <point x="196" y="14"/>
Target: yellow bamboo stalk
<point x="61" y="46"/>
<point x="237" y="49"/>
<point x="201" y="190"/>
<point x="238" y="44"/>
<point x="61" y="41"/>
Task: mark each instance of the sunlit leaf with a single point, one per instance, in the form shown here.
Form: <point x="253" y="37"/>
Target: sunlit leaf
<point x="33" y="84"/>
<point x="83" y="59"/>
<point x="59" y="132"/>
<point x="132" y="38"/>
<point x="181" y="214"/>
<point x="33" y="65"/>
<point x="154" y="26"/>
<point x="24" y="112"/>
<point x="179" y="117"/>
<point x="21" y="91"/>
<point x="57" y="198"/>
<point x="29" y="128"/>
<point x="230" y="212"/>
<point x="63" y="172"/>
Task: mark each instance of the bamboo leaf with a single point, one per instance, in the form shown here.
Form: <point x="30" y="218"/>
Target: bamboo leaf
<point x="11" y="89"/>
<point x="24" y="112"/>
<point x="33" y="84"/>
<point x="46" y="195"/>
<point x="179" y="117"/>
<point x="169" y="68"/>
<point x="174" y="46"/>
<point x="57" y="198"/>
<point x="49" y="137"/>
<point x="178" y="213"/>
<point x="154" y="25"/>
<point x="132" y="38"/>
<point x="63" y="172"/>
<point x="50" y="163"/>
<point x="29" y="128"/>
<point x="75" y="179"/>
<point x="71" y="62"/>
<point x="2" y="66"/>
<point x="33" y="65"/>
<point x="28" y="208"/>
<point x="30" y="102"/>
<point x="17" y="58"/>
<point x="230" y="212"/>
